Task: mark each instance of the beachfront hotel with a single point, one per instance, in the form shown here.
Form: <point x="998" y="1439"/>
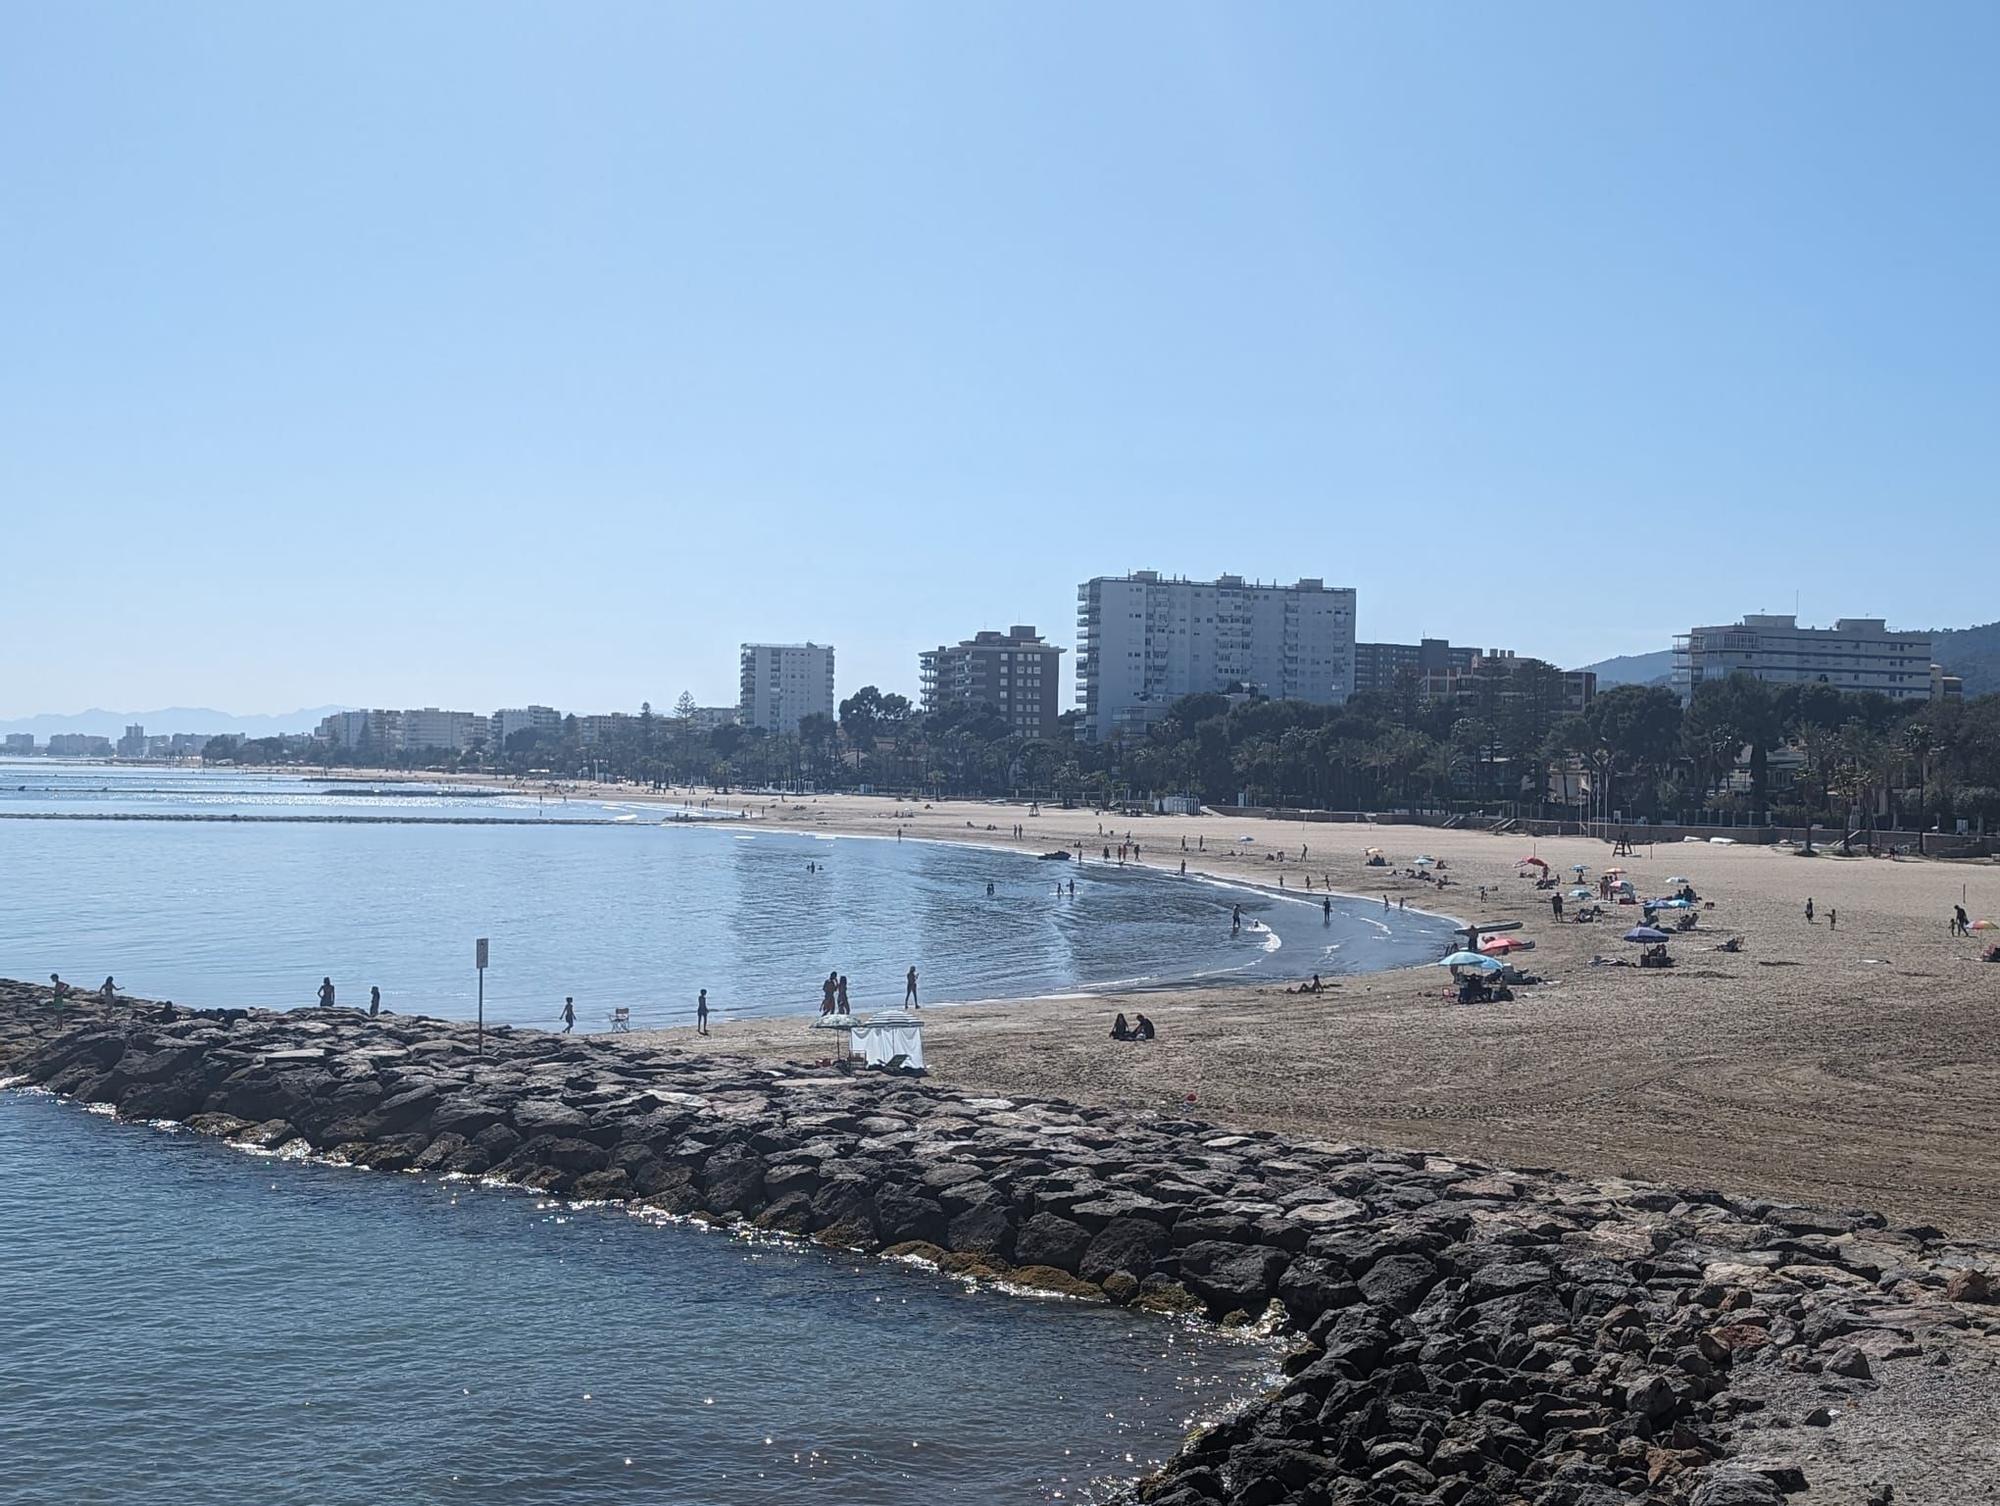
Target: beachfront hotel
<point x="1856" y="653"/>
<point x="1144" y="641"/>
<point x="783" y="682"/>
<point x="1014" y="672"/>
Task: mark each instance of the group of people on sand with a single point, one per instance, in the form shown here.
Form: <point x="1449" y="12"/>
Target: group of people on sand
<point x="1142" y="1030"/>
<point x="833" y="992"/>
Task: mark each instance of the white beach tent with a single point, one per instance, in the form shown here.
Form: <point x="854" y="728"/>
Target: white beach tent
<point x="891" y="1033"/>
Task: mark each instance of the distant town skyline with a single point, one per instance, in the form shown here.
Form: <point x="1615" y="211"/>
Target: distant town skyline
<point x="638" y="333"/>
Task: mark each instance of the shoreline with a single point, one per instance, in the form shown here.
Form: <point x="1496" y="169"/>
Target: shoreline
<point x="1396" y="1274"/>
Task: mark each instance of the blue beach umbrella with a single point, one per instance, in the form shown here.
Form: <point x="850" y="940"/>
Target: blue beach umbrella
<point x="1579" y="892"/>
<point x="1472" y="959"/>
<point x="1647" y="933"/>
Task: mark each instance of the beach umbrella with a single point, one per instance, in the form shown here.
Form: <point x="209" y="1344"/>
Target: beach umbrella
<point x="1672" y="904"/>
<point x="1580" y="893"/>
<point x="1646" y="933"/>
<point x="1531" y="862"/>
<point x="1471" y="959"/>
<point x="1576" y="868"/>
<point x="1679" y="879"/>
<point x="1614" y="872"/>
<point x="1986" y="925"/>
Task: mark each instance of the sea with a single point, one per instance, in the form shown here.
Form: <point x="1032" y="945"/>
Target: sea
<point x="181" y="1321"/>
<point x="614" y="903"/>
<point x="185" y="1321"/>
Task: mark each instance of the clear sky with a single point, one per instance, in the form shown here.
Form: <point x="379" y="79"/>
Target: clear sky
<point x="475" y="353"/>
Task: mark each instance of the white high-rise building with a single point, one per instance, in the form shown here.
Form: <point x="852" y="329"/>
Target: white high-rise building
<point x="1856" y="653"/>
<point x="782" y="682"/>
<point x="454" y="731"/>
<point x="505" y="722"/>
<point x="1143" y="642"/>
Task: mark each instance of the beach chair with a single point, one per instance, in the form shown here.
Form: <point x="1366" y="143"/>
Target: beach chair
<point x="621" y="1018"/>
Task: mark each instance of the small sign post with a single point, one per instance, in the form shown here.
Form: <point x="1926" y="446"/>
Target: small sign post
<point x="479" y="961"/>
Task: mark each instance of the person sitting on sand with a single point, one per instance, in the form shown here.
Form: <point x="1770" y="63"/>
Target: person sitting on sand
<point x="1120" y="1031"/>
<point x="1143" y="1030"/>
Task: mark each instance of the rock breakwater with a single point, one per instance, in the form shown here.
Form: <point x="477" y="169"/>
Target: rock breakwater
<point x="1464" y="1336"/>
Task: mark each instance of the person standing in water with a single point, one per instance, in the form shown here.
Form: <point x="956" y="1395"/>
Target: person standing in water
<point x="1235" y="919"/>
<point x="1326" y="909"/>
<point x="568" y="1015"/>
<point x="910" y="988"/>
<point x="701" y="1014"/>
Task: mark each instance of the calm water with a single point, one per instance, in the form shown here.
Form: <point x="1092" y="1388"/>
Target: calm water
<point x="187" y="1323"/>
<point x="641" y="914"/>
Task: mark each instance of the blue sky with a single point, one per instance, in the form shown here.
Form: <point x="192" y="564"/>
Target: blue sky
<point x="468" y="354"/>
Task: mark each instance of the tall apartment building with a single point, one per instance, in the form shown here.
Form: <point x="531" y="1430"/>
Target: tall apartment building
<point x="1144" y="641"/>
<point x="1014" y="672"/>
<point x="133" y="743"/>
<point x="505" y="722"/>
<point x="1856" y="653"/>
<point x="426" y="728"/>
<point x="1382" y="666"/>
<point x="452" y="731"/>
<point x="18" y="742"/>
<point x="782" y="682"/>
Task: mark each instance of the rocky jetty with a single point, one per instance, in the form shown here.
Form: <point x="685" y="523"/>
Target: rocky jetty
<point x="1462" y="1336"/>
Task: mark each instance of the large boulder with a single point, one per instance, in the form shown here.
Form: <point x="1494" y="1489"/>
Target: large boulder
<point x="1232" y="1277"/>
<point x="732" y="1179"/>
<point x="1400" y="1282"/>
<point x="902" y="1215"/>
<point x="984" y="1229"/>
<point x="1052" y="1240"/>
<point x="1130" y="1245"/>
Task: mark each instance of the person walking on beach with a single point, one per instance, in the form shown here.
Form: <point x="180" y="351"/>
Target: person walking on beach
<point x="1960" y="926"/>
<point x="701" y="1014"/>
<point x="374" y="1001"/>
<point x="910" y="988"/>
<point x="1809" y="909"/>
<point x="568" y="1015"/>
<point x="1556" y="904"/>
<point x="1832" y="919"/>
<point x="326" y="993"/>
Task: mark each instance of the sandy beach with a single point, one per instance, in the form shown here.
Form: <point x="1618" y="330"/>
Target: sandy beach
<point x="1851" y="1064"/>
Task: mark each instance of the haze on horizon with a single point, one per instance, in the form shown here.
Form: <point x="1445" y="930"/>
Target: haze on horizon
<point x="469" y="355"/>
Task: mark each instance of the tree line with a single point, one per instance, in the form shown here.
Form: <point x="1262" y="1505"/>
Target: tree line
<point x="1740" y="750"/>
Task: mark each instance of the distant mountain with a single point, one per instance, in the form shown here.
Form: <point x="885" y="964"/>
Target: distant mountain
<point x="1635" y="669"/>
<point x="1971" y="653"/>
<point x="170" y="719"/>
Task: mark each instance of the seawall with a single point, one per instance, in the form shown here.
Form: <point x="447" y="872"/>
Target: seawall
<point x="1465" y="1336"/>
